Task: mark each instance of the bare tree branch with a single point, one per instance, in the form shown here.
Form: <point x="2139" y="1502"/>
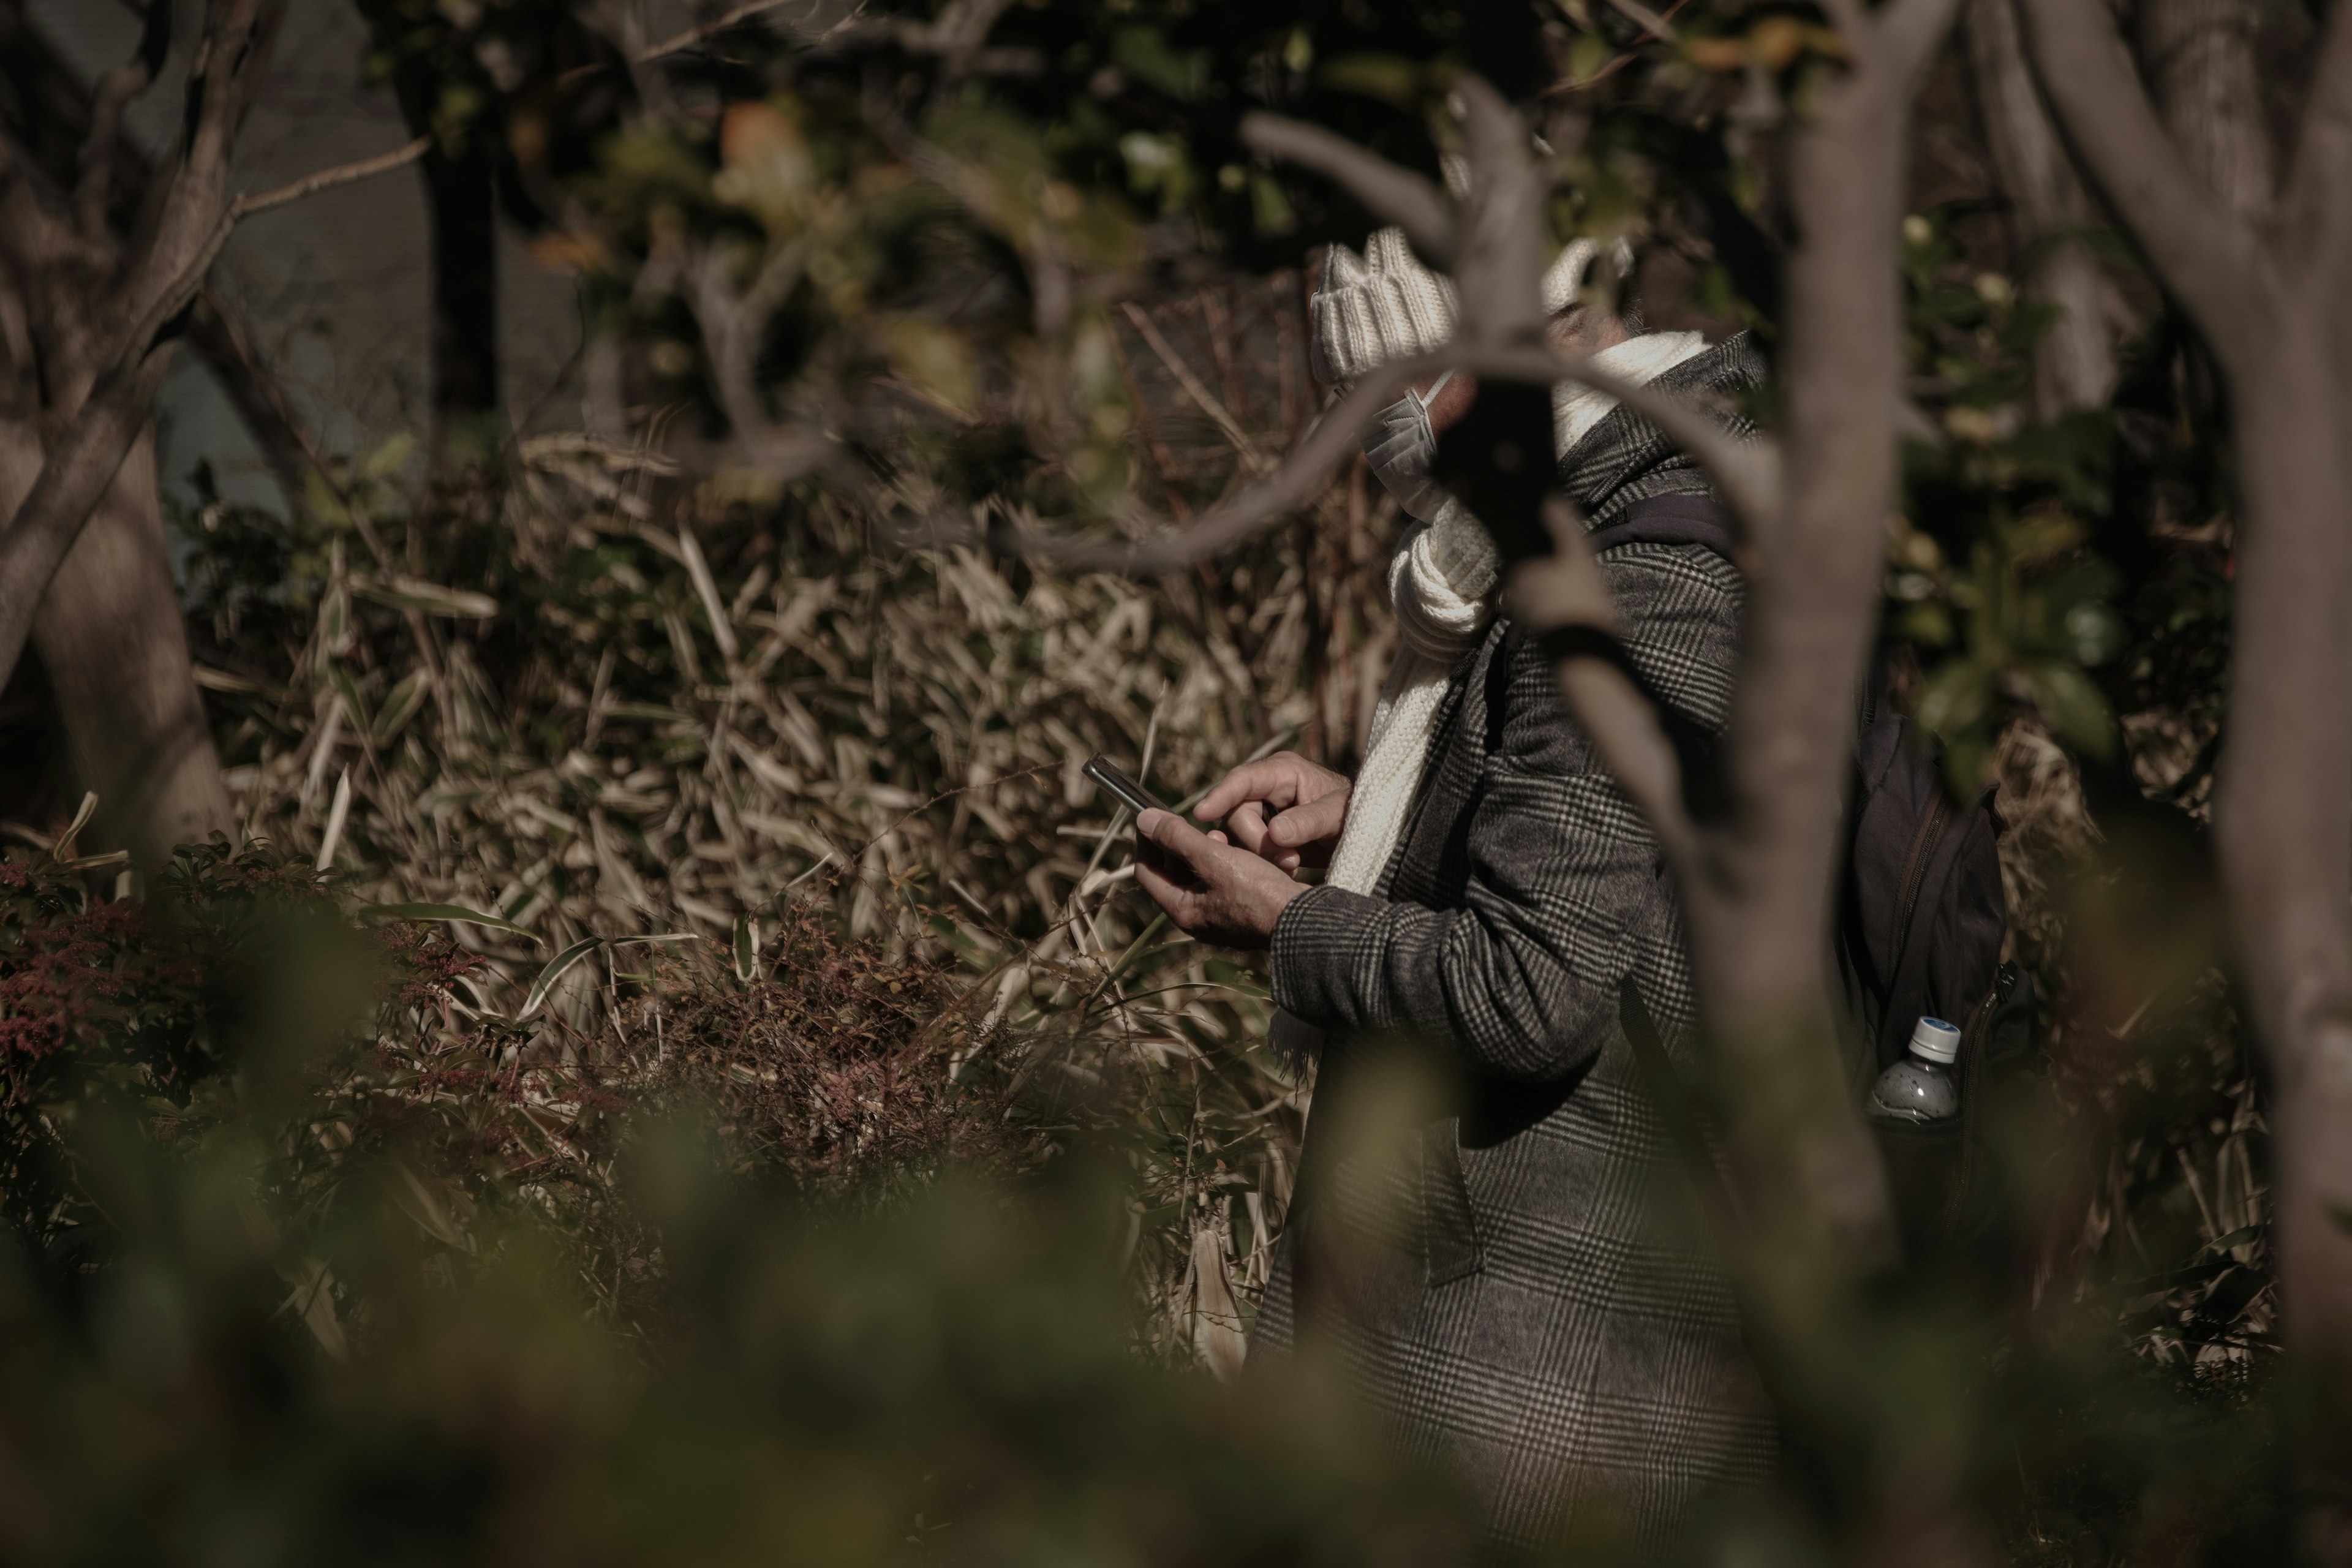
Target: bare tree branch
<point x="2206" y="253"/>
<point x="1907" y="34"/>
<point x="80" y="465"/>
<point x="1498" y="261"/>
<point x="2271" y="304"/>
<point x="1648" y="20"/>
<point x="695" y="37"/>
<point x="115" y="94"/>
<point x="218" y="334"/>
<point x="84" y="455"/>
<point x="1745" y="472"/>
<point x="2315" y="206"/>
<point x="959" y="36"/>
<point x="1498" y="240"/>
<point x="2074" y="363"/>
<point x="734" y="326"/>
<point x="327" y="179"/>
<point x="1292" y="485"/>
<point x="1415" y="204"/>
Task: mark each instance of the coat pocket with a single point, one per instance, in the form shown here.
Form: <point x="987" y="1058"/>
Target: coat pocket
<point x="1449" y="1231"/>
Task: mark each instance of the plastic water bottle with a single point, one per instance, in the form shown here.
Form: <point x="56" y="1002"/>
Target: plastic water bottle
<point x="1919" y="1089"/>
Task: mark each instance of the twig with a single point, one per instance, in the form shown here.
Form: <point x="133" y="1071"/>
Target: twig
<point x="1411" y="201"/>
<point x="1614" y="66"/>
<point x="1201" y="396"/>
<point x="1649" y="20"/>
<point x="327" y="179"/>
<point x="677" y="43"/>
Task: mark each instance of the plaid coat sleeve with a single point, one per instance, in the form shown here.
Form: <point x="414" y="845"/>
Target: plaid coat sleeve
<point x="1562" y="890"/>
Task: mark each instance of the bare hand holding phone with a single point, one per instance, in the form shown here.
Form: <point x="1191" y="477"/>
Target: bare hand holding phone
<point x="1283" y="808"/>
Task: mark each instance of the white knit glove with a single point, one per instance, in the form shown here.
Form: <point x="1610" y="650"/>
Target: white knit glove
<point x="1385" y="305"/>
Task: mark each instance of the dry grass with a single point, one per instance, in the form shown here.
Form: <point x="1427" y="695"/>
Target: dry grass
<point x="717" y="712"/>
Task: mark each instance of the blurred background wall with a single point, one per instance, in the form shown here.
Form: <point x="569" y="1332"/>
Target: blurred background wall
<point x="332" y="290"/>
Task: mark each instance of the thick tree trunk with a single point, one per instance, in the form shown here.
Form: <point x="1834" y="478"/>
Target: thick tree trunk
<point x="2074" y="363"/>
<point x="2199" y="58"/>
<point x="112" y="639"/>
<point x="87" y="574"/>
<point x="115" y="648"/>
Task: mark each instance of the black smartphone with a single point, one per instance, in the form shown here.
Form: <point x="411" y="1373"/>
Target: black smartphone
<point x="1130" y="792"/>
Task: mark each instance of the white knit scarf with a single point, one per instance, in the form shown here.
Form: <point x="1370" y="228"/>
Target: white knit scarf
<point x="1442" y="586"/>
<point x="1442" y="583"/>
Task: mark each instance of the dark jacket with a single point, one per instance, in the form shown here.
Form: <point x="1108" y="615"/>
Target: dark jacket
<point x="1522" y="1283"/>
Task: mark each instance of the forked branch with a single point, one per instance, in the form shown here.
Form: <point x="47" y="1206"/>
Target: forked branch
<point x="1411" y="201"/>
<point x="2207" y="254"/>
<point x="1745" y="472"/>
<point x="115" y="93"/>
<point x="83" y="456"/>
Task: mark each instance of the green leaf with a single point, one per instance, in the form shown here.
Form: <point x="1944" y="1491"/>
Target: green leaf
<point x="1268" y="206"/>
<point x="319" y="500"/>
<point x="2072" y="707"/>
<point x="439" y="912"/>
<point x="557" y="968"/>
<point x="1925" y="622"/>
<point x="1144" y="55"/>
<point x="2094" y="633"/>
<point x="1955" y="698"/>
<point x="387" y="457"/>
<point x="1392" y="78"/>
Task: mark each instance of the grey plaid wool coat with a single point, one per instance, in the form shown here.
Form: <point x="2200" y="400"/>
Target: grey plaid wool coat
<point x="1520" y="1282"/>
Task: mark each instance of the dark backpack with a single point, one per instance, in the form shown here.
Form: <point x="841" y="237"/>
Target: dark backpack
<point x="1922" y="919"/>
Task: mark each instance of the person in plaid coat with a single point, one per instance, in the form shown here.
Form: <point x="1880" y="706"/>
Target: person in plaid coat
<point x="1519" y="1282"/>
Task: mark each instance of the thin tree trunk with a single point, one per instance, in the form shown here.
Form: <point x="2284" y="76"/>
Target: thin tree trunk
<point x="2074" y="363"/>
<point x="463" y="194"/>
<point x="2199" y="56"/>
<point x="461" y="206"/>
<point x="1761" y="930"/>
<point x="2279" y="817"/>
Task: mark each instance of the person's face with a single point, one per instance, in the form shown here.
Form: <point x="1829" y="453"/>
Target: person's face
<point x="1582" y="329"/>
<point x="1579" y="331"/>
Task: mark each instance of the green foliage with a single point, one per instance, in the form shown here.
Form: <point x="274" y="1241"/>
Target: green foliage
<point x="952" y="1375"/>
